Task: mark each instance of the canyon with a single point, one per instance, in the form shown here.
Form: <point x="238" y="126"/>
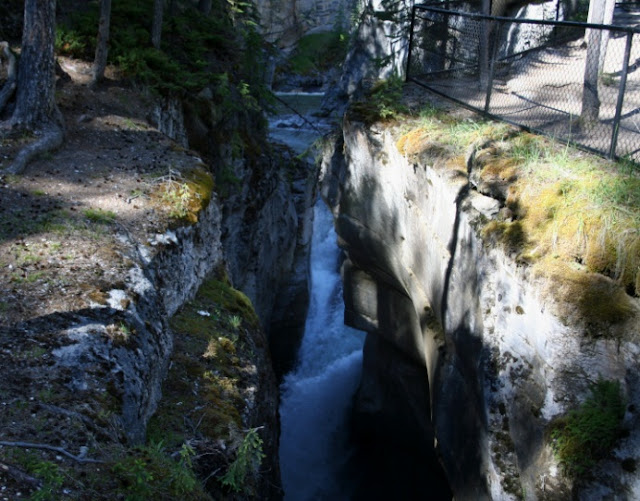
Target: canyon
<point x="474" y="355"/>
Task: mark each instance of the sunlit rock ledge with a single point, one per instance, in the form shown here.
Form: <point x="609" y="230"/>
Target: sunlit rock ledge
<point x="503" y="362"/>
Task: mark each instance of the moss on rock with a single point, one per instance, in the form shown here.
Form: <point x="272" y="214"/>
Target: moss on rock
<point x="208" y="391"/>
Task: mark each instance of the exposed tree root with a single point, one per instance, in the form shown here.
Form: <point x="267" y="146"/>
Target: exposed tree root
<point x="51" y="137"/>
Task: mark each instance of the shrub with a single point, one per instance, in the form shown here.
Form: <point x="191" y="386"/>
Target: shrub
<point x="588" y="434"/>
<point x="52" y="480"/>
<point x="149" y="472"/>
<point x="383" y="102"/>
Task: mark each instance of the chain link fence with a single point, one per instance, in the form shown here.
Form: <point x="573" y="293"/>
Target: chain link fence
<point x="535" y="73"/>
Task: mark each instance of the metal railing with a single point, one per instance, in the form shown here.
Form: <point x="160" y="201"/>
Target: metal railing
<point x="531" y="72"/>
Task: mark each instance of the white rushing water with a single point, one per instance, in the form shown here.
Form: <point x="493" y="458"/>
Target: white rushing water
<point x="316" y="395"/>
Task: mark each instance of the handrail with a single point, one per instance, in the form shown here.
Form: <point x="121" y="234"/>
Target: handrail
<point x="487" y="17"/>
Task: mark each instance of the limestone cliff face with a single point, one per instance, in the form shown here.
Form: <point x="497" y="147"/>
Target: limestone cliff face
<point x="162" y="277"/>
<point x="378" y="48"/>
<point x="283" y="22"/>
<point x="463" y="349"/>
<point x="259" y="232"/>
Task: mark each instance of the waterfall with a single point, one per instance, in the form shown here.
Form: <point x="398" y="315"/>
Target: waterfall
<point x="316" y="395"/>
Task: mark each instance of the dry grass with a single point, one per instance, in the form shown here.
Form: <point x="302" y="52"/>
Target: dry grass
<point x="573" y="217"/>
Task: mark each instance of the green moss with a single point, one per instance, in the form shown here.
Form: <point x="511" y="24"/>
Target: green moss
<point x="231" y="300"/>
<point x="590" y="432"/>
<point x="599" y="300"/>
<point x="573" y="217"/>
<point x="204" y="394"/>
<point x="200" y="186"/>
<point x="184" y="195"/>
<point x="100" y="216"/>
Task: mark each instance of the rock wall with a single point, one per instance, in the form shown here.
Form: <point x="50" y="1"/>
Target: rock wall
<point x="498" y="364"/>
<point x="267" y="216"/>
<point x="161" y="278"/>
<point x="377" y="50"/>
<point x="283" y="22"/>
<point x="267" y="236"/>
<point x="259" y="233"/>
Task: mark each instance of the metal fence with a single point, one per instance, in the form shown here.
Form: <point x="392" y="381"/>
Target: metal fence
<point x="532" y="73"/>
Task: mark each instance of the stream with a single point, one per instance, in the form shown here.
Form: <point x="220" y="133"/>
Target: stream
<point x="316" y="395"/>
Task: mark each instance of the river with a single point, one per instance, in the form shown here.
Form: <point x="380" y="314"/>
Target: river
<point x="316" y="395"/>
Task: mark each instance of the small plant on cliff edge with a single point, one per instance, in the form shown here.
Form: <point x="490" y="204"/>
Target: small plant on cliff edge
<point x="248" y="459"/>
<point x="383" y="102"/>
<point x="589" y="433"/>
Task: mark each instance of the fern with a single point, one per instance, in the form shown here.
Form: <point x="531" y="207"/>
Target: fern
<point x="248" y="459"/>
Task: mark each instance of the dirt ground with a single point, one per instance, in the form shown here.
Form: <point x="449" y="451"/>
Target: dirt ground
<point x="63" y="220"/>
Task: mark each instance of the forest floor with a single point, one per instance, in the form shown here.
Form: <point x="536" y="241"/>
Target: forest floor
<point x="57" y="219"/>
<point x="68" y="227"/>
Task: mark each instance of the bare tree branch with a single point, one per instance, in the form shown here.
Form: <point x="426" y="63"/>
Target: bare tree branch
<point x="60" y="450"/>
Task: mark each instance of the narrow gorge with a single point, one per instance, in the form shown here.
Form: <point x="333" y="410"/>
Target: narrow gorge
<point x="365" y="293"/>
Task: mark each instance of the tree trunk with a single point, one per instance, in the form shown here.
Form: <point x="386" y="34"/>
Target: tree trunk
<point x="10" y="85"/>
<point x="483" y="47"/>
<point x="102" y="43"/>
<point x="35" y="97"/>
<point x="156" y="26"/>
<point x="609" y="7"/>
<point x="593" y="37"/>
<point x="204" y="6"/>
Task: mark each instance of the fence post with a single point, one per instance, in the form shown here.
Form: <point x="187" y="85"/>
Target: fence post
<point x="492" y="64"/>
<point x="621" y="91"/>
<point x="413" y="19"/>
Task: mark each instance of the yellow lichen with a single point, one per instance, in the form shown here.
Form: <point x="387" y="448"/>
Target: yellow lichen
<point x="184" y="195"/>
<point x="494" y="167"/>
<point x="457" y="164"/>
<point x="508" y="233"/>
<point x="412" y="142"/>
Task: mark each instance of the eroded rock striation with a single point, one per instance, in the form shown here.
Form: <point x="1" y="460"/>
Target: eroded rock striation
<point x="466" y="351"/>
